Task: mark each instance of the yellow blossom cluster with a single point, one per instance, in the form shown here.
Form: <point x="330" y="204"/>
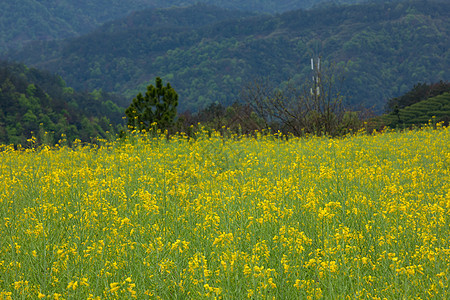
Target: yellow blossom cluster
<point x="260" y="217"/>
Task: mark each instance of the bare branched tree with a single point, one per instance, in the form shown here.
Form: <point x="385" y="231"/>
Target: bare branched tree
<point x="257" y="95"/>
<point x="315" y="107"/>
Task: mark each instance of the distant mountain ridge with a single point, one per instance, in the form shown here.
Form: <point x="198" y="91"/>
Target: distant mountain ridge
<point x="30" y="20"/>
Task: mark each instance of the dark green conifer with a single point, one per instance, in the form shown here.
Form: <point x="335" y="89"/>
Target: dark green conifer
<point x="158" y="105"/>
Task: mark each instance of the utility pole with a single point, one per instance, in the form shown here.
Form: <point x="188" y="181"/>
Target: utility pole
<point x="316" y="82"/>
<point x="315" y="68"/>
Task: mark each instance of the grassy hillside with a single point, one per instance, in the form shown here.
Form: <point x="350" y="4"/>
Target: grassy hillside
<point x="383" y="48"/>
<point x="436" y="108"/>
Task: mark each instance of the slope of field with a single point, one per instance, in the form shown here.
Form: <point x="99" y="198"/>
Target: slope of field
<point x="362" y="216"/>
<point x="437" y="108"/>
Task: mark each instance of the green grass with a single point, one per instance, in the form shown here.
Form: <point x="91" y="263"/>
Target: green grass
<point x="268" y="217"/>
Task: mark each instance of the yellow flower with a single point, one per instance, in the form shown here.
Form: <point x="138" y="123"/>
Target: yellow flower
<point x="56" y="296"/>
<point x="247" y="270"/>
<point x="250" y="293"/>
<point x="271" y="283"/>
<point x="114" y="287"/>
<point x="72" y="285"/>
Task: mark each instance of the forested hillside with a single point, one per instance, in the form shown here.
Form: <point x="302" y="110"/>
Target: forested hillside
<point x="30" y="20"/>
<point x="384" y="49"/>
<point x="33" y="102"/>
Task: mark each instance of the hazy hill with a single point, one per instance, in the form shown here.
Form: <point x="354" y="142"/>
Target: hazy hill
<point x="29" y="20"/>
<point x="384" y="48"/>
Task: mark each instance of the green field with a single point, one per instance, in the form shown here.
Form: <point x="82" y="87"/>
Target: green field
<point x="265" y="217"/>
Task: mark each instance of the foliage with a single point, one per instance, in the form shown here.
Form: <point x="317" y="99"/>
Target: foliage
<point x="419" y="92"/>
<point x="159" y="105"/>
<point x="316" y="107"/>
<point x="34" y="102"/>
<point x="363" y="216"/>
<point x="436" y="109"/>
<point x="238" y="118"/>
<point x="384" y="47"/>
<point x="30" y="20"/>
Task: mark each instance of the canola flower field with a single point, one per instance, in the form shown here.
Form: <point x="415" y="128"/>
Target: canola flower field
<point x="359" y="217"/>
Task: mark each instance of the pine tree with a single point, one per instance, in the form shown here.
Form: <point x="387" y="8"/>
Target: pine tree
<point x="158" y="105"/>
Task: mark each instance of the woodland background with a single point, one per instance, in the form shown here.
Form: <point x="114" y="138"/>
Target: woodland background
<point x="73" y="68"/>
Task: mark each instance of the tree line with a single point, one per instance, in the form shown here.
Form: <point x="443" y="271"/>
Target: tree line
<point x="315" y="108"/>
<point x="35" y="103"/>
